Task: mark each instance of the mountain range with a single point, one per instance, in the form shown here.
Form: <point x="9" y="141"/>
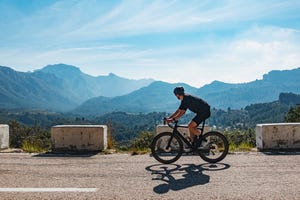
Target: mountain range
<point x="158" y="96"/>
<point x="84" y="86"/>
<point x="32" y="90"/>
<point x="63" y="87"/>
<point x="59" y="87"/>
<point x="224" y="95"/>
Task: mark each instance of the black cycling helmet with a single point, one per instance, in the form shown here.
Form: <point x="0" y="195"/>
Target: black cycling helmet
<point x="179" y="91"/>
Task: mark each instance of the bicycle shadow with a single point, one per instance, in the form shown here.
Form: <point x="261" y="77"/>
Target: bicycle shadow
<point x="189" y="175"/>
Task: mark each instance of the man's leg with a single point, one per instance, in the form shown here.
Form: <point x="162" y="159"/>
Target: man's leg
<point x="193" y="130"/>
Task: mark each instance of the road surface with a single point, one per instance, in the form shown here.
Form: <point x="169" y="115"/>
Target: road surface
<point x="122" y="176"/>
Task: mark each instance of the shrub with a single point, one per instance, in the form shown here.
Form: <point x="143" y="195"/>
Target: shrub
<point x="143" y="141"/>
<point x="293" y="115"/>
<point x="238" y="137"/>
<point x="17" y="133"/>
<point x="241" y="140"/>
<point x="32" y="145"/>
<point x="38" y="141"/>
<point x="30" y="139"/>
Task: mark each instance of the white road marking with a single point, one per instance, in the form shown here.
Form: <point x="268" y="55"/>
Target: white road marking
<point x="48" y="189"/>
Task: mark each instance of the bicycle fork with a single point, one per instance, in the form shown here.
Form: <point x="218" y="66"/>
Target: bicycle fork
<point x="169" y="142"/>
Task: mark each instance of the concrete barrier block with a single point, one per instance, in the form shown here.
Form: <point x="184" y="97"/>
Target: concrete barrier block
<point x="4" y="136"/>
<point x="79" y="137"/>
<point x="278" y="136"/>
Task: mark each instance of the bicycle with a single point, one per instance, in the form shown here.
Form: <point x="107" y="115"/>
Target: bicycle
<point x="167" y="147"/>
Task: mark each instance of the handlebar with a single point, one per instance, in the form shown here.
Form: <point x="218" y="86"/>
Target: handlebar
<point x="169" y="124"/>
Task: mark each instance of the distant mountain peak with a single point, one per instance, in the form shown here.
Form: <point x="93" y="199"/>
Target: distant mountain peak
<point x="280" y="75"/>
<point x="61" y="67"/>
<point x="215" y="82"/>
<point x="112" y="75"/>
<point x="158" y="83"/>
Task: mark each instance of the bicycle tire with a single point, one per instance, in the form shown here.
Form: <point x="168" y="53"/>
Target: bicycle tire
<point x="155" y="143"/>
<point x="225" y="151"/>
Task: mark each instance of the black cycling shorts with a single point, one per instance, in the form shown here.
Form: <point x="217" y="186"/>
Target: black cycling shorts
<point x="200" y="117"/>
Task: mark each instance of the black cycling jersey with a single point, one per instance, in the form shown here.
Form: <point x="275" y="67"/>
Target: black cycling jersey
<point x="194" y="104"/>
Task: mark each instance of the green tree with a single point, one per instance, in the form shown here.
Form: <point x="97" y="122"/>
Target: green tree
<point x="143" y="141"/>
<point x="293" y="115"/>
<point x="17" y="133"/>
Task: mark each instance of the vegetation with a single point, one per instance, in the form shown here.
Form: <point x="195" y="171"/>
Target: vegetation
<point x="240" y="140"/>
<point x="30" y="139"/>
<point x="33" y="144"/>
<point x="134" y="131"/>
<point x="293" y="115"/>
<point x="142" y="143"/>
<point x="289" y="99"/>
<point x="242" y="147"/>
<point x="125" y="127"/>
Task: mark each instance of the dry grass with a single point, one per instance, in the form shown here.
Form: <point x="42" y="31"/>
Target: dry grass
<point x="32" y="147"/>
<point x="241" y="147"/>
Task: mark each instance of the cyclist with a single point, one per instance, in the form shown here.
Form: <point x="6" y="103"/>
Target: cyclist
<point x="194" y="104"/>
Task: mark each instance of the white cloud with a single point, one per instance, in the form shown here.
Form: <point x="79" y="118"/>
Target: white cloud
<point x="100" y="39"/>
<point x="244" y="58"/>
<point x="131" y="18"/>
<point x="248" y="58"/>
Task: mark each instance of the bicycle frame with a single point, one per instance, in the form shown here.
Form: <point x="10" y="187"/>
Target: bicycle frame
<point x="176" y="132"/>
<point x="168" y="147"/>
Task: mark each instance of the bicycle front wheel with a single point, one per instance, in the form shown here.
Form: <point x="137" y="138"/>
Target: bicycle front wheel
<point x="166" y="148"/>
<point x="214" y="147"/>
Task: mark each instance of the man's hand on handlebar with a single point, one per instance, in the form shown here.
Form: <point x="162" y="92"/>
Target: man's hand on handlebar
<point x="169" y="120"/>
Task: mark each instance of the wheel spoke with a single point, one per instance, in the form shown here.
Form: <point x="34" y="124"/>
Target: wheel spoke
<point x="217" y="147"/>
<point x="166" y="148"/>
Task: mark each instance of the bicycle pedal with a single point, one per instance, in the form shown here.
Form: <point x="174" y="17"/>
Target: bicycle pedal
<point x="187" y="150"/>
<point x="188" y="153"/>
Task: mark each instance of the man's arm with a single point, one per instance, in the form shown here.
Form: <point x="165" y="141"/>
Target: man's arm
<point x="179" y="114"/>
<point x="176" y="115"/>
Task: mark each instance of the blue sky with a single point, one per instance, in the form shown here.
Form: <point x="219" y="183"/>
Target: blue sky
<point x="194" y="42"/>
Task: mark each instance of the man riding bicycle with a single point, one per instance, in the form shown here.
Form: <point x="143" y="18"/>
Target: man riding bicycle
<point x="194" y="104"/>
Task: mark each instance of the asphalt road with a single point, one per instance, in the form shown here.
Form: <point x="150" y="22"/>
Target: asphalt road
<point x="122" y="176"/>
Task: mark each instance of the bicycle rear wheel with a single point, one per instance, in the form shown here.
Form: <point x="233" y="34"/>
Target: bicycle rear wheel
<point x="164" y="153"/>
<point x="214" y="147"/>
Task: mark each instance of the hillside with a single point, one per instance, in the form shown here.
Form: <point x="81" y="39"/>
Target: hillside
<point x="159" y="97"/>
<point x="32" y="90"/>
<point x="224" y="95"/>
